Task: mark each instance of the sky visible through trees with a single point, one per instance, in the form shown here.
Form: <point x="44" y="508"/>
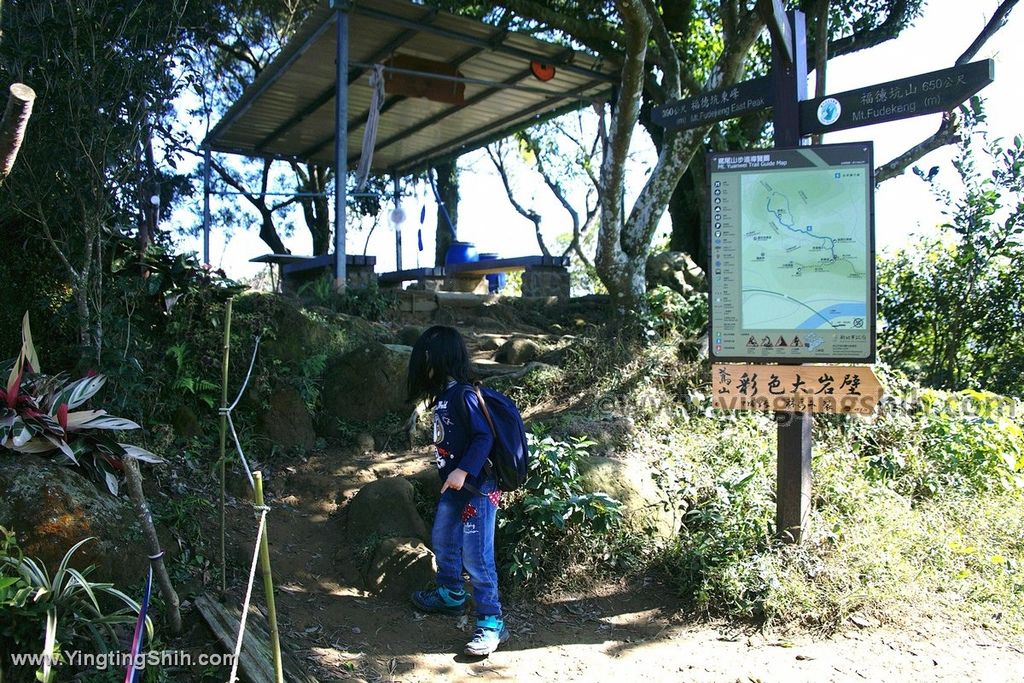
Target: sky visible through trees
<point x="904" y="205"/>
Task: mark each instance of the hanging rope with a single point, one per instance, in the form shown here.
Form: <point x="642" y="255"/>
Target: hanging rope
<point x="226" y="412"/>
<point x="370" y="131"/>
<point x="263" y="509"/>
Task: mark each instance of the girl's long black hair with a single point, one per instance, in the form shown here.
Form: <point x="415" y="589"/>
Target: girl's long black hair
<point x="442" y="350"/>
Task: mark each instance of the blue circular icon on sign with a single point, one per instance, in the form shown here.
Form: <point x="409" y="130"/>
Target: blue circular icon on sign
<point x="829" y="111"/>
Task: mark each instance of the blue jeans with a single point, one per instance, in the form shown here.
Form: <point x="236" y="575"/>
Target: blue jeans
<point x="468" y="543"/>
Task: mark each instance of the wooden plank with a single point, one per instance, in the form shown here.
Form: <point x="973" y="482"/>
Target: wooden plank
<point x="255" y="662"/>
<point x="929" y="93"/>
<point x="502" y="265"/>
<point x="795" y="388"/>
<point x="396" y="276"/>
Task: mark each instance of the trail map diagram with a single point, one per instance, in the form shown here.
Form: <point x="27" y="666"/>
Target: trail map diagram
<point x="804" y="252"/>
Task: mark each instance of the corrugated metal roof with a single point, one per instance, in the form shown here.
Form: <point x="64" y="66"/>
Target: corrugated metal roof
<point x="289" y="111"/>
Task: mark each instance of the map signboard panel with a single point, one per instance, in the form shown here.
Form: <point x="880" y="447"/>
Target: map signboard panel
<point x="792" y="254"/>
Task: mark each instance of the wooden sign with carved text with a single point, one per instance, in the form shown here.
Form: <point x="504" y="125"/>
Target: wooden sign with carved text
<point x="796" y="388"/>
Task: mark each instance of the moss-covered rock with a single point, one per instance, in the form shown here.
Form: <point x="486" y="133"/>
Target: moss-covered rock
<point x="630" y="483"/>
<point x="294" y="333"/>
<point x="51" y="507"/>
<point x="518" y="351"/>
<point x="400" y="566"/>
<point x="385" y="509"/>
<point x="287" y="422"/>
<point x="366" y="384"/>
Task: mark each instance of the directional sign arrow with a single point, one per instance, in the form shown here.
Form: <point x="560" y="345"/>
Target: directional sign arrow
<point x="716" y="105"/>
<point x="928" y="93"/>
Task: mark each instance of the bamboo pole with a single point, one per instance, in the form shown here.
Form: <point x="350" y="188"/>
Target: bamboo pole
<point x="268" y="583"/>
<point x="224" y="436"/>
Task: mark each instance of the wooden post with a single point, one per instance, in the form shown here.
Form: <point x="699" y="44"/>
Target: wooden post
<point x="793" y="467"/>
<point x="224" y="436"/>
<point x="793" y="488"/>
<point x="268" y="582"/>
<point x="13" y="125"/>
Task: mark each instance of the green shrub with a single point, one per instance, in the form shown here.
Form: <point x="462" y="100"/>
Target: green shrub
<point x="551" y="528"/>
<point x="966" y="442"/>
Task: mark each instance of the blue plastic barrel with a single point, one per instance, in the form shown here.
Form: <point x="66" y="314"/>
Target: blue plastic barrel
<point x="495" y="281"/>
<point x="460" y="252"/>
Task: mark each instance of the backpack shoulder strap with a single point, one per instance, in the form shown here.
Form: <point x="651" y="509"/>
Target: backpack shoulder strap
<point x="483" y="407"/>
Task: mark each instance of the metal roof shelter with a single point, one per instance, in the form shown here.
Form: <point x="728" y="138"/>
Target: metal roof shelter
<point x="313" y="101"/>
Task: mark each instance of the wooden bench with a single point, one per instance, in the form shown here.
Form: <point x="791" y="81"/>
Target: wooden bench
<point x="298" y="270"/>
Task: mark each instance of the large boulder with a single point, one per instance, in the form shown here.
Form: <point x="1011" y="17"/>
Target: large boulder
<point x="385" y="509"/>
<point x="366" y="383"/>
<point x="295" y="333"/>
<point x="675" y="270"/>
<point x="287" y="422"/>
<point x="408" y="335"/>
<point x="518" y="351"/>
<point x="609" y="434"/>
<point x="630" y="482"/>
<point x="400" y="566"/>
<point x="51" y="507"/>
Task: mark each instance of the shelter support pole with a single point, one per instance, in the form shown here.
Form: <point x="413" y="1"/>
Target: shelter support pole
<point x="206" y="205"/>
<point x="340" y="141"/>
<point x="398" y="225"/>
<point x="793" y="488"/>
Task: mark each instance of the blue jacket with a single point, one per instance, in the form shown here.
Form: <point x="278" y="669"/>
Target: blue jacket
<point x="461" y="445"/>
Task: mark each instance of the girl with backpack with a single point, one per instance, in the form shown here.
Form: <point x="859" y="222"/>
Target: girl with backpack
<point x="463" y="532"/>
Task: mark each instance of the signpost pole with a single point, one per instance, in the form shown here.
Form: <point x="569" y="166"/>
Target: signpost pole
<point x="793" y="488"/>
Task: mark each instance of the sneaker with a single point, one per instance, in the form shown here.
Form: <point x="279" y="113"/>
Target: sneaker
<point x="490" y="633"/>
<point x="440" y="601"/>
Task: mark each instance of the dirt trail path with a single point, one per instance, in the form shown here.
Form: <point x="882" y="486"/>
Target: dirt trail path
<point x="617" y="633"/>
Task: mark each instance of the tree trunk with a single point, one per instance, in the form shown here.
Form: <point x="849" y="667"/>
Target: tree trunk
<point x="315" y="208"/>
<point x="687" y="209"/>
<point x="13" y="125"/>
<point x="86" y="344"/>
<point x="448" y="189"/>
<point x="134" y="477"/>
<point x="268" y="233"/>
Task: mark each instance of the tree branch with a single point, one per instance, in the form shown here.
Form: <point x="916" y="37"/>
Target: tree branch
<point x="997" y="21"/>
<point x="670" y="82"/>
<point x="894" y="22"/>
<point x="529" y="215"/>
<point x="949" y="130"/>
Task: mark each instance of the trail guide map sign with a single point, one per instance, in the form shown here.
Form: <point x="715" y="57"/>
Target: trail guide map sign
<point x="792" y="255"/>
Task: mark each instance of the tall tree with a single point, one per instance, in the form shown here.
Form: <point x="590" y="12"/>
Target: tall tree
<point x="447" y="184"/>
<point x="667" y="50"/>
<point x="103" y="70"/>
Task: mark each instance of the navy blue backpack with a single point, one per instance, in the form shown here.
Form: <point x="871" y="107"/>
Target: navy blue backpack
<point x="509" y="454"/>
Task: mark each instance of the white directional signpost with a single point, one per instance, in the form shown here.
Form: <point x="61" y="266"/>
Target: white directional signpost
<point x="791" y="244"/>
